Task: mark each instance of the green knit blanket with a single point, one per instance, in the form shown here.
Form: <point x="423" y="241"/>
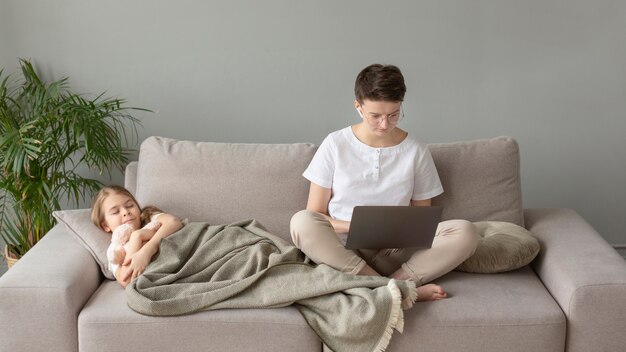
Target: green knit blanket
<point x="205" y="267"/>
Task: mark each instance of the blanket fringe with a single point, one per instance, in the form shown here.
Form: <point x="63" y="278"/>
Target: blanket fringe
<point x="396" y="318"/>
<point x="410" y="300"/>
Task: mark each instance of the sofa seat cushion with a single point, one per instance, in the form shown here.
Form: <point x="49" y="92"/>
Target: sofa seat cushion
<point x="222" y="183"/>
<point x="106" y="320"/>
<point x="510" y="312"/>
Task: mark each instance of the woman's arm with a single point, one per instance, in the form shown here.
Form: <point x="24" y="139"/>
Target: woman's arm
<point x="319" y="197"/>
<point x="421" y="203"/>
<point x="135" y="264"/>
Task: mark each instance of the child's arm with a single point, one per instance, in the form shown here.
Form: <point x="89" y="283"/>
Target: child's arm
<point x="138" y="238"/>
<point x="146" y="233"/>
<point x="137" y="263"/>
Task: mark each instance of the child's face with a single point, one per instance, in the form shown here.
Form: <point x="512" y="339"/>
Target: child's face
<point x="120" y="209"/>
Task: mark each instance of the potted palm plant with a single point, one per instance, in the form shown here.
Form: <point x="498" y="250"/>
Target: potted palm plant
<point x="46" y="133"/>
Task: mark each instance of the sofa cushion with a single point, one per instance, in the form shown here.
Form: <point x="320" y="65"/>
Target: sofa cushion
<point x="130" y="177"/>
<point x="96" y="241"/>
<point x="502" y="246"/>
<point x="221" y="183"/>
<point x="107" y="323"/>
<point x="481" y="180"/>
<point x="510" y="312"/>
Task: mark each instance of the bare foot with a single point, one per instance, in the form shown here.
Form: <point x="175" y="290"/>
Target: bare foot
<point x="430" y="292"/>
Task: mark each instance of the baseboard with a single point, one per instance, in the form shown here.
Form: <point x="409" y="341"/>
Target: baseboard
<point x="621" y="249"/>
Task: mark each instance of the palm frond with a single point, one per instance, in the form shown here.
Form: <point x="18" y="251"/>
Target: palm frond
<point x="46" y="132"/>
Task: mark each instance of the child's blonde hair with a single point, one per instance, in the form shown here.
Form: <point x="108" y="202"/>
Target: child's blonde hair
<point x="97" y="213"/>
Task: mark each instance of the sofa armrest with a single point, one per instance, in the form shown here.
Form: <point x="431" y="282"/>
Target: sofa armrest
<point x="586" y="277"/>
<point x="130" y="177"/>
<point x="43" y="293"/>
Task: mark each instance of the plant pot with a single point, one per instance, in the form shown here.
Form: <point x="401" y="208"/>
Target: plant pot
<point x="8" y="257"/>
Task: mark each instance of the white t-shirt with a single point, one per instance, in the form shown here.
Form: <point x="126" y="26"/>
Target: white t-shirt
<point x="362" y="175"/>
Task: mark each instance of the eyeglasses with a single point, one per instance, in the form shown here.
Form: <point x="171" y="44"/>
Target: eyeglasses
<point x="392" y="119"/>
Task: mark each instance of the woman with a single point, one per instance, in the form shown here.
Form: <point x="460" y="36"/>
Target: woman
<point x="376" y="163"/>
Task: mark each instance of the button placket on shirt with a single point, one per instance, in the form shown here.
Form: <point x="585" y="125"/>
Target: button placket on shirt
<point x="377" y="164"/>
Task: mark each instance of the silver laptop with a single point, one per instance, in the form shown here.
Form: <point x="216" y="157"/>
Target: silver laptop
<point x="377" y="227"/>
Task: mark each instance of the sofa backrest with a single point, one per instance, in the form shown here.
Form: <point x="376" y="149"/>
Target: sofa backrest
<point x="481" y="180"/>
<point x="226" y="182"/>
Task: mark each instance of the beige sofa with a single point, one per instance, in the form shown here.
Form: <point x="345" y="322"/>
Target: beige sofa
<point x="572" y="297"/>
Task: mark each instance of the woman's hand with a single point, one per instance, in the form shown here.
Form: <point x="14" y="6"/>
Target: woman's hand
<point x="340" y="226"/>
<point x="318" y="202"/>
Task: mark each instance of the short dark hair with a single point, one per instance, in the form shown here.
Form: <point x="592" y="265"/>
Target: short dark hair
<point x="380" y="83"/>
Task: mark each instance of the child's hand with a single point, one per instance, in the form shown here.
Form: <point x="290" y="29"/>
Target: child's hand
<point x="136" y="264"/>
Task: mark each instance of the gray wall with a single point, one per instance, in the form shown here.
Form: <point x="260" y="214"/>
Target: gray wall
<point x="551" y="73"/>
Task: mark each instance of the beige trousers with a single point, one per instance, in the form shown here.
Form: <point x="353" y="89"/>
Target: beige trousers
<point x="454" y="242"/>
